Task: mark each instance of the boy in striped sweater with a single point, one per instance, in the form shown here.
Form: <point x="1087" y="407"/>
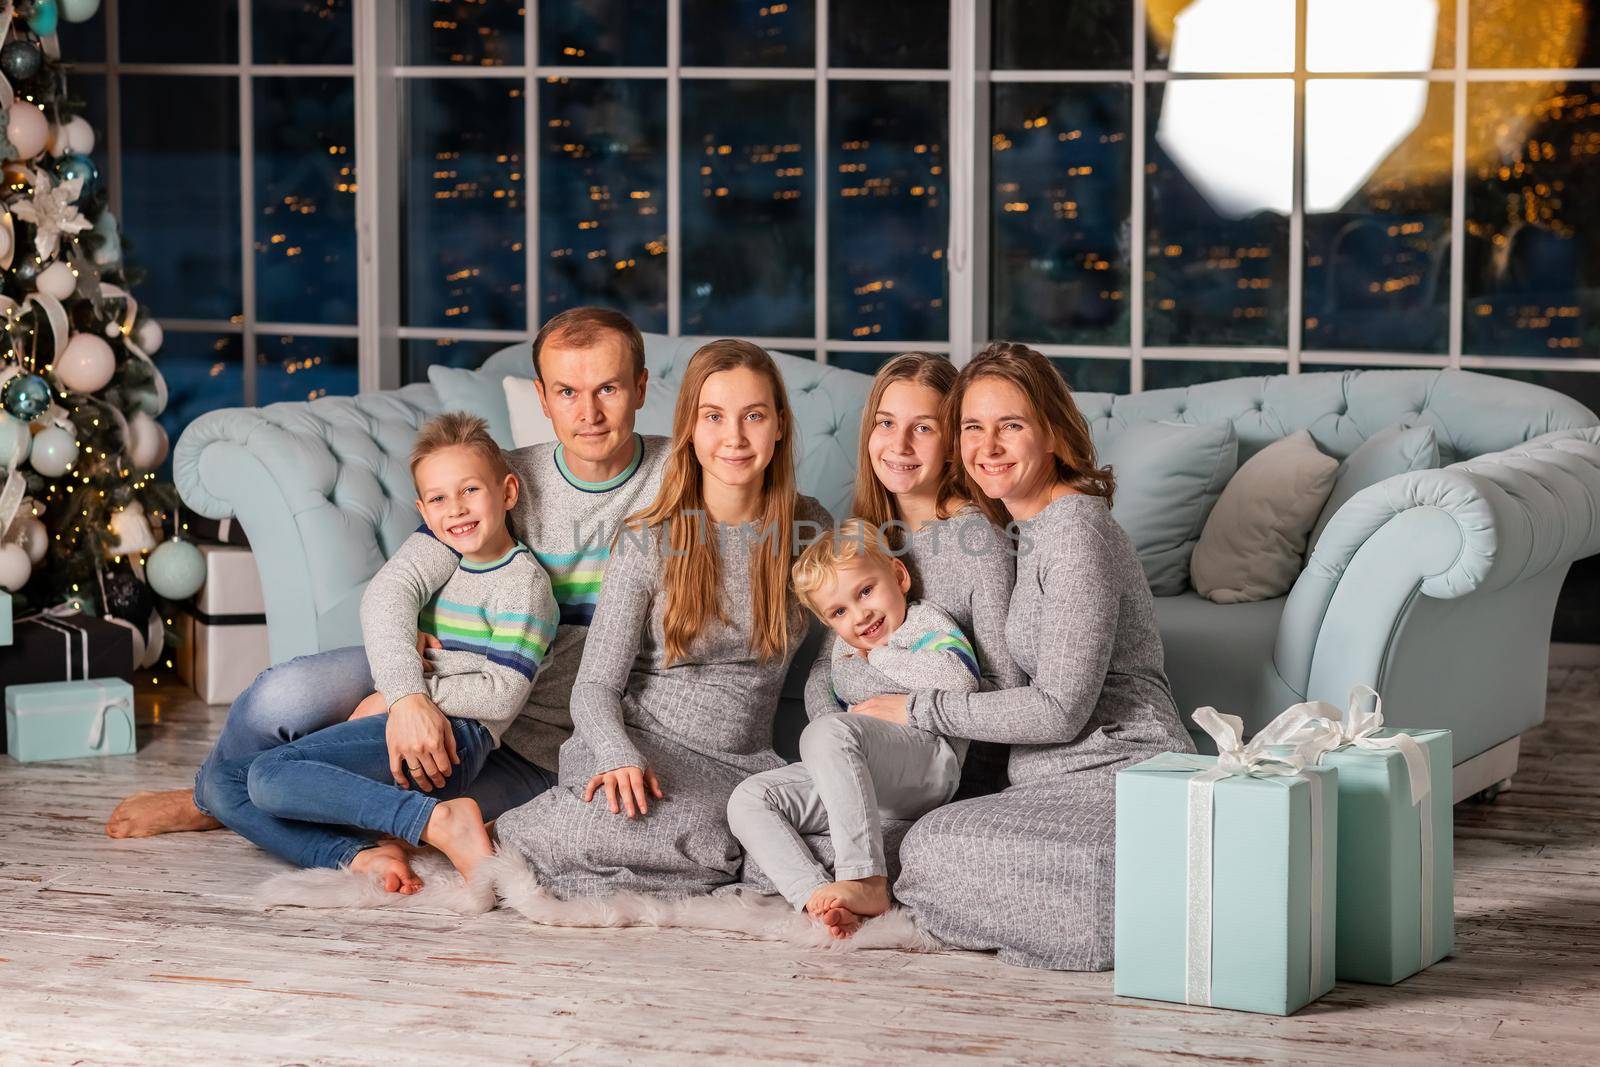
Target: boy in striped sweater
<point x="856" y="771"/>
<point x="493" y="622"/>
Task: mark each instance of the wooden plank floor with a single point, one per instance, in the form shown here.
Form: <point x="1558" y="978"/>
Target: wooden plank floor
<point x="146" y="952"/>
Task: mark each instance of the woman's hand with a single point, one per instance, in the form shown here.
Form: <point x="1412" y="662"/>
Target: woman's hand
<point x="627" y="784"/>
<point x="890" y="708"/>
<point x="421" y="742"/>
<point x="427" y="643"/>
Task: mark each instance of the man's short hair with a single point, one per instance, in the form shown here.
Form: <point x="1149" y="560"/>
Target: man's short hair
<point x="583" y="327"/>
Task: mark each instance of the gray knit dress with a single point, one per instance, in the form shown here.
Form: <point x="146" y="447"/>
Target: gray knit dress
<point x="1029" y="871"/>
<point x="702" y="724"/>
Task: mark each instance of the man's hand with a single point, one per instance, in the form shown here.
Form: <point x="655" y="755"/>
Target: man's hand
<point x="425" y="644"/>
<point x="627" y="784"/>
<point x="421" y="743"/>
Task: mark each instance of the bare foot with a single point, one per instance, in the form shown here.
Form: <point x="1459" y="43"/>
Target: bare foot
<point x="841" y="921"/>
<point x="387" y="862"/>
<point x="456" y="829"/>
<point x="865" y="897"/>
<point x="149" y="814"/>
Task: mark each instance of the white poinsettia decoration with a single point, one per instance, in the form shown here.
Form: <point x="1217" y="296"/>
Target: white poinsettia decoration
<point x="53" y="211"/>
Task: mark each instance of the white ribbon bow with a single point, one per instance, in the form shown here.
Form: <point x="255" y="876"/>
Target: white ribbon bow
<point x="97" y="732"/>
<point x="1236" y="757"/>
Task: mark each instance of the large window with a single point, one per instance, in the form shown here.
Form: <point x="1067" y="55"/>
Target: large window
<point x="1155" y="192"/>
<point x="227" y="134"/>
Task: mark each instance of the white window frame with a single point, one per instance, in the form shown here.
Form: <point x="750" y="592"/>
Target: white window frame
<point x="378" y="74"/>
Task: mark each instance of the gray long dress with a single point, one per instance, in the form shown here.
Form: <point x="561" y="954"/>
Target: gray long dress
<point x="1029" y="871"/>
<point x="702" y="724"/>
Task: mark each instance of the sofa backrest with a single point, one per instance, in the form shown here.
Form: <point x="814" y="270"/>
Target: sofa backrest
<point x="1471" y="414"/>
<point x="826" y="402"/>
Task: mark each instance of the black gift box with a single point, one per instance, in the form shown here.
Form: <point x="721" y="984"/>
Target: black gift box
<point x="48" y="648"/>
<point x="213" y="531"/>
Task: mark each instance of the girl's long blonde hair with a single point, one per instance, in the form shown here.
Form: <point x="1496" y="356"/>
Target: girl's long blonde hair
<point x="692" y="580"/>
<point x="1044" y="390"/>
<point x="872" y="501"/>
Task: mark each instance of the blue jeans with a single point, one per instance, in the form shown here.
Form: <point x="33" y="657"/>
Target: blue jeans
<point x="302" y="799"/>
<point x="305" y="695"/>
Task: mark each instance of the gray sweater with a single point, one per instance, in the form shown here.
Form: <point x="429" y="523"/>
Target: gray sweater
<point x="1082" y="626"/>
<point x="717" y="704"/>
<point x="495" y="622"/>
<point x="569" y="523"/>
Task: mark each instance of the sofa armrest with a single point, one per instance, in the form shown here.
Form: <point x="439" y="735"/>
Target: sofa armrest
<point x="323" y="492"/>
<point x="1484" y="524"/>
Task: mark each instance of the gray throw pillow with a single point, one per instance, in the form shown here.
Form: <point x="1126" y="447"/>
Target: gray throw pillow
<point x="1169" y="475"/>
<point x="1255" y="541"/>
<point x="1393" y="450"/>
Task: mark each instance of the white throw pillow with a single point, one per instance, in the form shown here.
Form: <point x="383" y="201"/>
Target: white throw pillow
<point x="529" y="425"/>
<point x="1254" y="543"/>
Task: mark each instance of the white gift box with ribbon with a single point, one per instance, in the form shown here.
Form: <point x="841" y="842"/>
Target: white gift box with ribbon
<point x="1396" y="855"/>
<point x="1226" y="885"/>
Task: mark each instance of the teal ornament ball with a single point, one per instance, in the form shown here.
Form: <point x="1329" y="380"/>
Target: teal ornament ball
<point x="81" y="167"/>
<point x="27" y="396"/>
<point x="175" y="570"/>
<point x="54" y="451"/>
<point x="20" y="60"/>
<point x="79" y="10"/>
<point x="15" y="440"/>
<point x="46" y="16"/>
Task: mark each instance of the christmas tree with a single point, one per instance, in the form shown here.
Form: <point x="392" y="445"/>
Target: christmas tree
<point x="81" y="508"/>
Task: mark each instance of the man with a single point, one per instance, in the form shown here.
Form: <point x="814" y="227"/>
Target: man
<point x="591" y="380"/>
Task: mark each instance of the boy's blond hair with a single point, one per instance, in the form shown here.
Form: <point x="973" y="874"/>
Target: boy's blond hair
<point x="851" y="540"/>
<point x="457" y="429"/>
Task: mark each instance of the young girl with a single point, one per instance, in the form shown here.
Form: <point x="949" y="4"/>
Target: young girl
<point x="690" y="640"/>
<point x="855" y="771"/>
<point x="494" y="620"/>
<point x="957" y="557"/>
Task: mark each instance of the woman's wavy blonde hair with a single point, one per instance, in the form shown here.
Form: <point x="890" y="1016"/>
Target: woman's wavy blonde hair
<point x="872" y="501"/>
<point x="692" y="580"/>
<point x="1050" y="399"/>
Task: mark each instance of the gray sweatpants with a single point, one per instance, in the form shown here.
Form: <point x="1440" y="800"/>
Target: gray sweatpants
<point x="854" y="772"/>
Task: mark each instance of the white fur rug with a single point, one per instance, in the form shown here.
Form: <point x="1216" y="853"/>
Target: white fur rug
<point x="507" y="878"/>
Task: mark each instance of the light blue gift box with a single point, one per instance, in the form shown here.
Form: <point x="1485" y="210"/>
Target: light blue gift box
<point x="70" y="720"/>
<point x="1381" y="860"/>
<point x="5" y="617"/>
<point x="1271" y="940"/>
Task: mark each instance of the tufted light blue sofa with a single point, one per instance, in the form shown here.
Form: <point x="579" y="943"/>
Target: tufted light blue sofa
<point x="1437" y="587"/>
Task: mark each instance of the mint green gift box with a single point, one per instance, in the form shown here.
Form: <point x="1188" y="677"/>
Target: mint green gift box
<point x="70" y="720"/>
<point x="1381" y="859"/>
<point x="1271" y="940"/>
<point x="5" y="617"/>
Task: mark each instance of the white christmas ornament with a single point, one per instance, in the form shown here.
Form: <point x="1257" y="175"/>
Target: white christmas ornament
<point x="87" y="363"/>
<point x="79" y="11"/>
<point x="57" y="280"/>
<point x="15" y="440"/>
<point x="148" y="335"/>
<point x="75" y="135"/>
<point x="7" y="243"/>
<point x="147" y="442"/>
<point x="155" y="640"/>
<point x="54" y="451"/>
<point x="131" y="528"/>
<point x="34" y="538"/>
<point x="27" y="129"/>
<point x="15" y="570"/>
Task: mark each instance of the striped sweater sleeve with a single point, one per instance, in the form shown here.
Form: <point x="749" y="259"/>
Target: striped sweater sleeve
<point x="389" y="608"/>
<point x="492" y="686"/>
<point x="941" y="658"/>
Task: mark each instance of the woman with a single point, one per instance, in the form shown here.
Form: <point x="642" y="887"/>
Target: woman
<point x="1029" y="871"/>
<point x="692" y="635"/>
<point x="957" y="557"/>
